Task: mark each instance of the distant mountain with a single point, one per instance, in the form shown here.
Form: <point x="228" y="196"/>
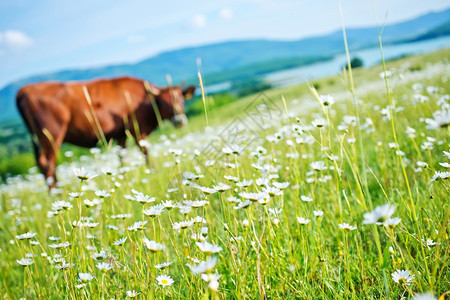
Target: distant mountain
<point x="439" y="31"/>
<point x="228" y="60"/>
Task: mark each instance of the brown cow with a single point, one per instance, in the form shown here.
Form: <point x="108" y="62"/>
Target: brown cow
<point x="82" y="113"/>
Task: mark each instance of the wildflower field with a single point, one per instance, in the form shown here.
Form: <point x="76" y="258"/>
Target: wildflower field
<point x="295" y="193"/>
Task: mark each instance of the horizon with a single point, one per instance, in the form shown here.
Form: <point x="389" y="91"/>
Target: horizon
<point x="24" y="50"/>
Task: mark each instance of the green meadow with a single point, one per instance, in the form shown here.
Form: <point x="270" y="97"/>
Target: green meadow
<point x="333" y="189"/>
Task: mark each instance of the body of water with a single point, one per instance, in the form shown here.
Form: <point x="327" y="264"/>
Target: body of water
<point x="370" y="57"/>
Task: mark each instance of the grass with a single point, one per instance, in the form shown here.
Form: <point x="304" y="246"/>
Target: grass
<point x="277" y="247"/>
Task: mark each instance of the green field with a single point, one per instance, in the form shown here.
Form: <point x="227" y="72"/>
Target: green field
<point x="282" y="196"/>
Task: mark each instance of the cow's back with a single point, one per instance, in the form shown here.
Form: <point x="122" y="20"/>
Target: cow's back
<point x="108" y="105"/>
<point x="108" y="94"/>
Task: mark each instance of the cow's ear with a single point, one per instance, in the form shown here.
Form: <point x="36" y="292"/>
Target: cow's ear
<point x="188" y="92"/>
<point x="151" y="89"/>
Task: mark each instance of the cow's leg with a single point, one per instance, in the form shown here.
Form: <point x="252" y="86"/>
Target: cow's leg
<point x="47" y="165"/>
<point x="46" y="157"/>
<point x="145" y="152"/>
<point x="121" y="141"/>
<point x="42" y="162"/>
<point x="46" y="161"/>
<point x="142" y="144"/>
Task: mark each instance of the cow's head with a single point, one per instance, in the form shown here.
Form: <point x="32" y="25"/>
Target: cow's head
<point x="170" y="102"/>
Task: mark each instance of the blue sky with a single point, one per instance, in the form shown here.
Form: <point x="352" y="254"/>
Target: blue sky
<point x="49" y="35"/>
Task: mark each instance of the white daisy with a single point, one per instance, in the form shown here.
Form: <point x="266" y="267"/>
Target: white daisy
<point x="204" y="266"/>
<point x="154" y="246"/>
<point x="272" y="191"/>
<point x="26" y="236"/>
<point x="103" y="266"/>
<point x="232" y="149"/>
<point x="422" y="164"/>
<point x="168" y="204"/>
<point x="109" y="171"/>
<point x="81" y="286"/>
<point x="206" y="190"/>
<point x="192" y="176"/>
<point x="154" y="211"/>
<point x="392" y="222"/>
<point x="163" y="265"/>
<point x="231" y="178"/>
<point x="121" y="216"/>
<point x="208" y="248"/>
<point x="254" y="196"/>
<point x="402" y="277"/>
<point x="101" y="255"/>
<point x="379" y="214"/>
<point x="139" y="225"/>
<point x="306" y="198"/>
<point x="244" y="183"/>
<point x="132" y="294"/>
<point x="164" y="280"/>
<point x="84" y="174"/>
<point x="120" y="242"/>
<point x="346" y="226"/>
<point x="318" y="213"/>
<point x="281" y="185"/>
<point x="212" y="279"/>
<point x="264" y="201"/>
<point x="85" y="277"/>
<point x="440" y="175"/>
<point x="143" y="199"/>
<point x="425" y="296"/>
<point x="326" y="100"/>
<point x="430" y="242"/>
<point x="243" y="204"/>
<point x="319" y="122"/>
<point x="303" y="221"/>
<point x="61" y="205"/>
<point x="445" y="165"/>
<point x="199" y="219"/>
<point x="60" y="245"/>
<point x="318" y="165"/>
<point x="102" y="194"/>
<point x="92" y="203"/>
<point x="25" y="262"/>
<point x="196" y="203"/>
<point x="222" y="187"/>
<point x="182" y="225"/>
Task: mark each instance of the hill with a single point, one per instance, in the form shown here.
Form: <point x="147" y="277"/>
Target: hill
<point x="439" y="31"/>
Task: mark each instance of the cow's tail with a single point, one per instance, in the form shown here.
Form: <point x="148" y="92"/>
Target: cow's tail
<point x="27" y="117"/>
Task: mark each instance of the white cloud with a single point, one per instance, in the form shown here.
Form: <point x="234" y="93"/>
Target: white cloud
<point x="15" y="40"/>
<point x="226" y="13"/>
<point x="198" y="21"/>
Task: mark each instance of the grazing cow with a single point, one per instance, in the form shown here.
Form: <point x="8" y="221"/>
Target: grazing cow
<point x="82" y="113"/>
